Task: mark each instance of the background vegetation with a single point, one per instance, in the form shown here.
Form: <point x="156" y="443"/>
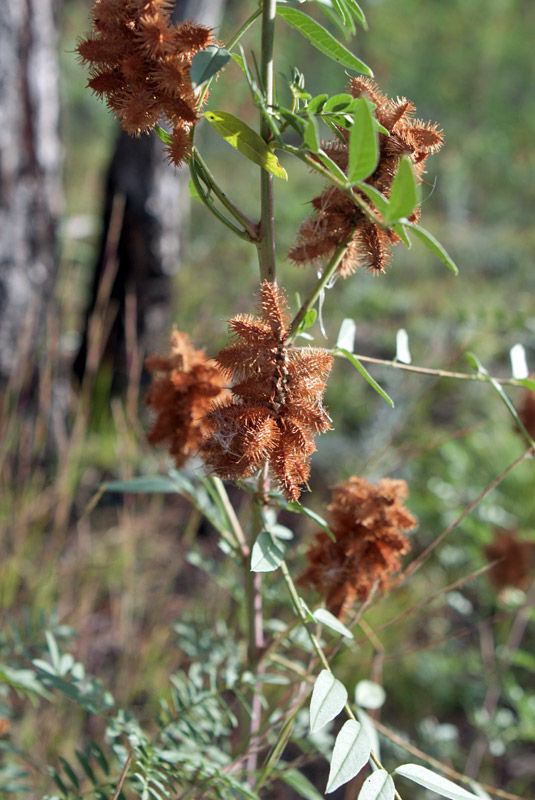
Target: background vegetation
<point x="112" y="579"/>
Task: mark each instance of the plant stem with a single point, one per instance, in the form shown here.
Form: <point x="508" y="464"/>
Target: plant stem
<point x="327" y="274"/>
<point x="266" y="243"/>
<point x="200" y="170"/>
<point x="243" y="29"/>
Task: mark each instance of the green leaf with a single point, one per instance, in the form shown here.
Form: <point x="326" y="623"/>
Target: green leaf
<point x="475" y="362"/>
<point x="193" y="193"/>
<point x="432" y="244"/>
<point x="351" y="753"/>
<point x="528" y="383"/>
<point x="405" y="192"/>
<point x="315" y="105"/>
<point x="70" y="773"/>
<point x="363" y="143"/>
<point x="311" y="137"/>
<point x="369" y="694"/>
<point x="86" y="766"/>
<point x="346" y="335"/>
<point x="247" y="141"/>
<point x="299" y="509"/>
<point x="340" y="351"/>
<point x="358" y="13"/>
<point x="206" y="63"/>
<point x="436" y="783"/>
<point x="329" y="696"/>
<point x="332" y="166"/>
<point x="378" y="786"/>
<point x="151" y="484"/>
<point x="332" y="622"/>
<point x="379" y="200"/>
<point x="322" y="40"/>
<point x="398" y="228"/>
<point x="267" y="554"/>
<point x="164" y="136"/>
<point x="300" y="784"/>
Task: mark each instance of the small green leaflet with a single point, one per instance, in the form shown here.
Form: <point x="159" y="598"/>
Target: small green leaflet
<point x="378" y="786"/>
<point x="206" y="63"/>
<point x="379" y="200"/>
<point x="436" y="783"/>
<point x="332" y="622"/>
<point x="329" y="696"/>
<point x="363" y="143"/>
<point x="351" y="752"/>
<point x="432" y="244"/>
<point x="405" y="192"/>
<point x="247" y="141"/>
<point x="340" y="351"/>
<point x="299" y="509"/>
<point x="322" y="40"/>
<point x="346" y="335"/>
<point x="267" y="554"/>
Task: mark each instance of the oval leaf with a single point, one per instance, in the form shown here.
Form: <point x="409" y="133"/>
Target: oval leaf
<point x="247" y="141"/>
<point x="378" y="786"/>
<point x="436" y="783"/>
<point x="369" y="694"/>
<point x="432" y="244"/>
<point x="329" y="696"/>
<point x="346" y="335"/>
<point x="351" y="753"/>
<point x="322" y="40"/>
<point x="405" y="192"/>
<point x="363" y="143"/>
<point x="332" y="622"/>
<point x="206" y="63"/>
<point x="267" y="554"/>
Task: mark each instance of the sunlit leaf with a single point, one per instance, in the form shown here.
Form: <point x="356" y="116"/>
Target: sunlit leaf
<point x="322" y="40"/>
<point x="346" y="335"/>
<point x="436" y="783"/>
<point x="432" y="244"/>
<point x="332" y="622"/>
<point x="329" y="696"/>
<point x="247" y="141"/>
<point x="351" y="753"/>
<point x="363" y="143"/>
<point x="405" y="192"/>
<point x="300" y="784"/>
<point x="340" y="351"/>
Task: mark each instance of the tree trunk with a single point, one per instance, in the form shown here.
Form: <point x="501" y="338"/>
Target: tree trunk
<point x="155" y="206"/>
<point x="30" y="194"/>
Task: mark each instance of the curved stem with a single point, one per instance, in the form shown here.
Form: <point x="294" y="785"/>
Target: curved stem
<point x="324" y="279"/>
<point x="199" y="169"/>
<point x="243" y="29"/>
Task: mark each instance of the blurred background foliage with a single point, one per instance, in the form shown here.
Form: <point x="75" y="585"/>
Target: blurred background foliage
<point x="118" y="574"/>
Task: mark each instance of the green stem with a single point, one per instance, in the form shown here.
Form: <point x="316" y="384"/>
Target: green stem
<point x="199" y="169"/>
<point x="266" y="244"/>
<point x="324" y="279"/>
<point x="317" y="647"/>
<point x="244" y="28"/>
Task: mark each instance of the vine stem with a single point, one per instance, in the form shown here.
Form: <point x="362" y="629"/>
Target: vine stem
<point x="266" y="243"/>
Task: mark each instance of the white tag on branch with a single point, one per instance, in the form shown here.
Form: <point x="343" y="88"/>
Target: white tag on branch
<point x="519" y="364"/>
<point x="403" y="353"/>
<point x="346" y="335"/>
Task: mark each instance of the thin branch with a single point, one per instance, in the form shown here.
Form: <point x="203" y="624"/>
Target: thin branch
<point x="417" y="563"/>
<point x="266" y="243"/>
